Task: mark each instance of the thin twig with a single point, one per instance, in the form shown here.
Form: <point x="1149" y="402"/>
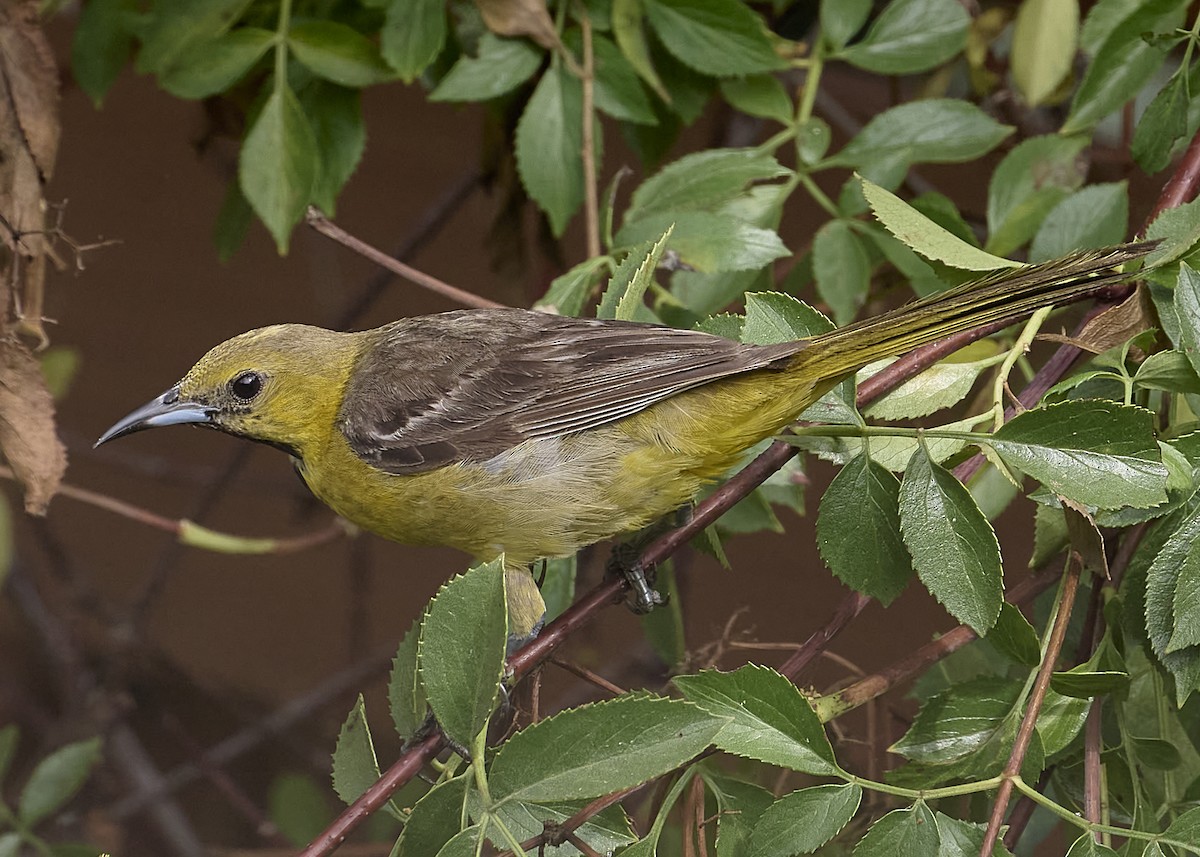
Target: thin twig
<point x="329" y="229"/>
<point x="587" y="675"/>
<point x="591" y="196"/>
<point x="1041" y="685"/>
<point x="178" y="526"/>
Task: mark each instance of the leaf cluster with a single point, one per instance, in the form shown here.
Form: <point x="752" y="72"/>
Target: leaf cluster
<point x="48" y="788"/>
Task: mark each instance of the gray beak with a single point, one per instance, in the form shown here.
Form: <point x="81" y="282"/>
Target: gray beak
<point x="167" y="410"/>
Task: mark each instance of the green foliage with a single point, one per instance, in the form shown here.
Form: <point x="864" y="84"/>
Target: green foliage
<point x="46" y="790"/>
<point x="700" y="234"/>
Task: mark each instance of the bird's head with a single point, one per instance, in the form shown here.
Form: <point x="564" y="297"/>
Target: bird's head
<point x="280" y="385"/>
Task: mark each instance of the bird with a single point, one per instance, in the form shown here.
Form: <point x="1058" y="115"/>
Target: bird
<point x="525" y="435"/>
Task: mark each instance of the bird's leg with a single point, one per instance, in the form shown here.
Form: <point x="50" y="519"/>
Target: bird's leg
<point x="642" y="597"/>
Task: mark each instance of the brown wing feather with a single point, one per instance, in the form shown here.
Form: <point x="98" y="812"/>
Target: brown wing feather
<point x="467" y="385"/>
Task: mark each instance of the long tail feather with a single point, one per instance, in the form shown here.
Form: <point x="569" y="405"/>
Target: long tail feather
<point x="1006" y="294"/>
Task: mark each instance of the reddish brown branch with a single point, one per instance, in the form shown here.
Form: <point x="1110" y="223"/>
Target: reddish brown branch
<point x="1029" y="722"/>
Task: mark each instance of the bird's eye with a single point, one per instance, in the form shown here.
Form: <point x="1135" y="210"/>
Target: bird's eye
<point x="246" y="386"/>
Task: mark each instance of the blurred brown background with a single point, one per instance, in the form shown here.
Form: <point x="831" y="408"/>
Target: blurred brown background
<point x="194" y="646"/>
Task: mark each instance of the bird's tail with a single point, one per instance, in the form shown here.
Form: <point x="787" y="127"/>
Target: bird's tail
<point x="1006" y="294"/>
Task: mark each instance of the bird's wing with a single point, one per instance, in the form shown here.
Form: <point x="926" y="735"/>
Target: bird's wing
<point x="467" y="385"/>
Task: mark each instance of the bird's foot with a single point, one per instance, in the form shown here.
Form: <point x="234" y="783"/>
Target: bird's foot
<point x="642" y="596"/>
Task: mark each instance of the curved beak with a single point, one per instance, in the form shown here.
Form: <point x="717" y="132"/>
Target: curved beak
<point x="167" y="410"/>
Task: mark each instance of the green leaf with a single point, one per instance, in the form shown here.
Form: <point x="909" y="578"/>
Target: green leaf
<point x="600" y="748"/>
<point x="1168" y="370"/>
<point x="435" y="819"/>
<point x="211" y="67"/>
<point x="1185" y="828"/>
<point x="663" y="627"/>
<point x="1029" y="181"/>
<point x="758" y="95"/>
<point x="548" y="145"/>
<point x="709" y="241"/>
<point x="926" y="237"/>
<point x="338" y="53"/>
<point x="701" y="181"/>
<point x="772" y="317"/>
<point x="1093" y="451"/>
<point x="569" y="291"/>
<point x="1060" y="720"/>
<point x="1043" y="49"/>
<point x="278" y="167"/>
<point x="1094" y="216"/>
<point x="940" y="386"/>
<point x="8" y="747"/>
<point x="1155" y="753"/>
<point x="959" y="721"/>
<point x="739" y="806"/>
<point x="902" y="833"/>
<point x="1014" y="637"/>
<point x="638" y="265"/>
<point x="1172" y="545"/>
<point x="299" y="808"/>
<point x="931" y="131"/>
<point x="842" y="19"/>
<point x="465" y="843"/>
<point x="766" y="717"/>
<point x="858" y="530"/>
<point x="954" y="549"/>
<point x="355" y="766"/>
<point x="1186" y="607"/>
<point x="500" y="66"/>
<point x="618" y="90"/>
<point x="1086" y="846"/>
<point x="842" y="268"/>
<point x="1123" y="63"/>
<point x="101" y="45"/>
<point x="963" y="839"/>
<point x="631" y="39"/>
<point x="911" y="36"/>
<point x="173" y="27"/>
<point x="558" y="587"/>
<point x="56" y="779"/>
<point x="633" y="295"/>
<point x="406" y="694"/>
<point x="1178" y="231"/>
<point x="1187" y="307"/>
<point x="336" y="114"/>
<point x="803" y="821"/>
<point x="716" y="37"/>
<point x="1084" y="683"/>
<point x="462" y="647"/>
<point x="412" y="36"/>
<point x="1162" y="124"/>
<point x="10" y="844"/>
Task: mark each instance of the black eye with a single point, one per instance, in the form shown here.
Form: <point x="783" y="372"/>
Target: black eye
<point x="246" y="386"/>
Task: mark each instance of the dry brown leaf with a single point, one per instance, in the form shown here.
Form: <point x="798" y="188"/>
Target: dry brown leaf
<point x="520" y="18"/>
<point x="1115" y="326"/>
<point x="29" y="135"/>
<point x="27" y="435"/>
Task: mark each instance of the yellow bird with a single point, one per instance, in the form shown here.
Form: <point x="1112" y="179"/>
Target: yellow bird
<point x="506" y="431"/>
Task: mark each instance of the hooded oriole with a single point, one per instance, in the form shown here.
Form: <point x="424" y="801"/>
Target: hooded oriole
<point x="531" y="435"/>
